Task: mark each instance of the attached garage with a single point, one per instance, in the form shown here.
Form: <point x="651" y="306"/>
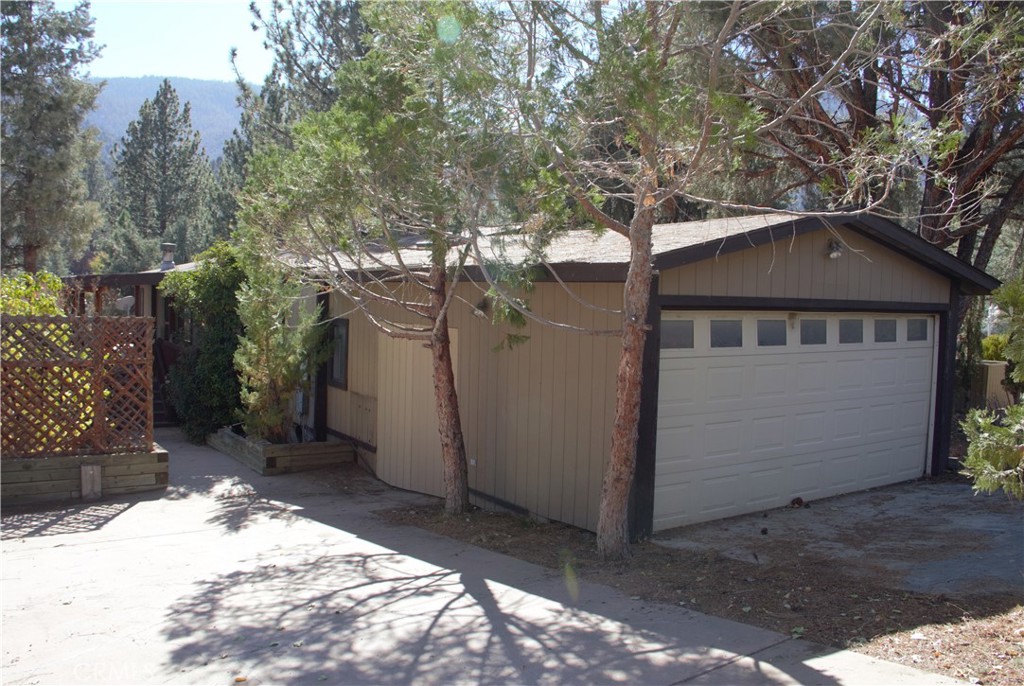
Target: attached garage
<point x="758" y="408"/>
<point x="797" y="359"/>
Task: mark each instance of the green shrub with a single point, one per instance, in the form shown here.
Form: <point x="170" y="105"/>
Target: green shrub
<point x="994" y="347"/>
<point x="280" y="346"/>
<point x="995" y="450"/>
<point x="204" y="385"/>
<point x="24" y="293"/>
<point x="995" y="453"/>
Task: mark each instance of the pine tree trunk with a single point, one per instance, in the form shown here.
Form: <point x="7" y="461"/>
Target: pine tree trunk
<point x="449" y="421"/>
<point x="30" y="258"/>
<point x="30" y="250"/>
<point x="613" y="519"/>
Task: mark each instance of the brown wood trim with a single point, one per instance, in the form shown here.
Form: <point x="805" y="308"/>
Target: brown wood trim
<point x="716" y="302"/>
<point x="641" y="497"/>
<point x="91" y="282"/>
<point x="883" y="231"/>
<point x="503" y="504"/>
<point x="322" y="375"/>
<point x="782" y="231"/>
<point x="947" y="331"/>
<point x="368" y="447"/>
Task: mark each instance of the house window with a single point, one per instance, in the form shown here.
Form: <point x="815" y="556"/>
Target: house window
<point x="771" y="332"/>
<point x="885" y="331"/>
<point x="851" y="330"/>
<point x="677" y="333"/>
<point x="339" y="353"/>
<point x="813" y="332"/>
<point x="726" y="333"/>
<point x="917" y="329"/>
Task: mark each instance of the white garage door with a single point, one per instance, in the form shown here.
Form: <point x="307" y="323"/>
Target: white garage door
<point x="756" y="409"/>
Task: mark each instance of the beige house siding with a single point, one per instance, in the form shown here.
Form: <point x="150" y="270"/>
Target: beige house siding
<point x="536" y="418"/>
<point x="409" y="444"/>
<point x="799" y="268"/>
<point x="354" y="411"/>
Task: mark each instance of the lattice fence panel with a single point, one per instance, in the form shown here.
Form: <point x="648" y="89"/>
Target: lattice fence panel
<point x="75" y="385"/>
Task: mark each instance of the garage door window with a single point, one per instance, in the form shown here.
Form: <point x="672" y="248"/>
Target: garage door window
<point x="813" y="332"/>
<point x="771" y="332"/>
<point x="677" y="333"/>
<point x="885" y="331"/>
<point x="726" y="333"/>
<point x="851" y="331"/>
<point x="917" y="329"/>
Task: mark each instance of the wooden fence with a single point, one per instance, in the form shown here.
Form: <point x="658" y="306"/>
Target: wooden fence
<point x="75" y="386"/>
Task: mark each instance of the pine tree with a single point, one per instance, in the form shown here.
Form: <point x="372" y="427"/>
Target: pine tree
<point x="311" y="40"/>
<point x="163" y="182"/>
<point x="46" y="214"/>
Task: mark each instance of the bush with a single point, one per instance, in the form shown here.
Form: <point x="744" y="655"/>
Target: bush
<point x="204" y="386"/>
<point x="31" y="294"/>
<point x="994" y="347"/>
<point x="280" y="346"/>
<point x="995" y="452"/>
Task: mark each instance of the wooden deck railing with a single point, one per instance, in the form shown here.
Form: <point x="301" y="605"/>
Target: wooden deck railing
<point x="75" y="385"/>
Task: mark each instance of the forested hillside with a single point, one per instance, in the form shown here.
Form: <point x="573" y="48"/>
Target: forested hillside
<point x="214" y="110"/>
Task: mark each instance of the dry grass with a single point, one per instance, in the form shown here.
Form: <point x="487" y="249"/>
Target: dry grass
<point x="979" y="639"/>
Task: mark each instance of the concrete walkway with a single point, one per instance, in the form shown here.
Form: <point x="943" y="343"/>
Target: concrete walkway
<point x="230" y="577"/>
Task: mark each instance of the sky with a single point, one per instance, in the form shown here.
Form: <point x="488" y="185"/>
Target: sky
<point x="176" y="38"/>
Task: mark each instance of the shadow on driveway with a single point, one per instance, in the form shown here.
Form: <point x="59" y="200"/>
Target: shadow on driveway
<point x="390" y="604"/>
<point x="287" y="580"/>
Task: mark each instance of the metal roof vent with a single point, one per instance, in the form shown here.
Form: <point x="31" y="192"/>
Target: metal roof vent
<point x="167" y="262"/>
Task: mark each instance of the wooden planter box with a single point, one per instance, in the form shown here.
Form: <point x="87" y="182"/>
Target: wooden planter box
<point x="269" y="459"/>
<point x="29" y="480"/>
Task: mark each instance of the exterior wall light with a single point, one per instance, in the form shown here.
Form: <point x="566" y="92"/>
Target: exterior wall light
<point x="834" y="250"/>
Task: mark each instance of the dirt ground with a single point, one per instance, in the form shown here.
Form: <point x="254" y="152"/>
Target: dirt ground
<point x="976" y="635"/>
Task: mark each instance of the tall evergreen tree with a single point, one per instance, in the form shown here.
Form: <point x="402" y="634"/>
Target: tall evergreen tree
<point x="395" y="175"/>
<point x="163" y="183"/>
<point x="44" y="150"/>
<point x="311" y="40"/>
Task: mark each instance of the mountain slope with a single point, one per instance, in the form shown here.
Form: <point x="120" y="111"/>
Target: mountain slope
<point x="214" y="110"/>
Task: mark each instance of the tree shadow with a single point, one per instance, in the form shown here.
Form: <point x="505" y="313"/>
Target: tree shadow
<point x="384" y="618"/>
<point x="199" y="471"/>
<point x="404" y="606"/>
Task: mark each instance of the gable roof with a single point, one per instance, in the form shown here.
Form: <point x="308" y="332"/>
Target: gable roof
<point x="588" y="256"/>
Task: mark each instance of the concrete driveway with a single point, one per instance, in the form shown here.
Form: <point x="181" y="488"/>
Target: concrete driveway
<point x="928" y="536"/>
<point x="235" y="578"/>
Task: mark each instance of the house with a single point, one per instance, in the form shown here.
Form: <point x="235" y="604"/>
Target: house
<point x="138" y="291"/>
<point x="787" y="357"/>
<point x="138" y="294"/>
